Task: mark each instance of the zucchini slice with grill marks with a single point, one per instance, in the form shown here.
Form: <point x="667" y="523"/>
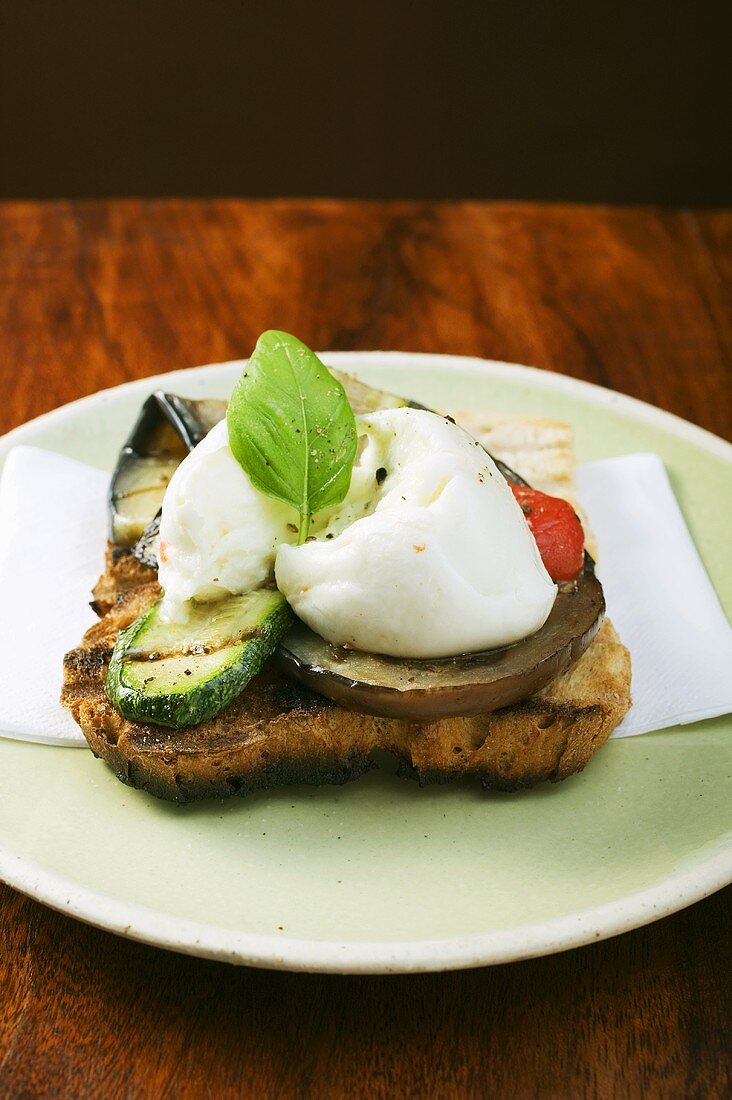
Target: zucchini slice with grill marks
<point x="181" y="674"/>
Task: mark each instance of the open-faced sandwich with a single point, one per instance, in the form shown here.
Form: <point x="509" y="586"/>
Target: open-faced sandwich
<point x="321" y="570"/>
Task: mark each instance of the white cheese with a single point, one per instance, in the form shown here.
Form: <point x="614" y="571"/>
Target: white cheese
<point x="439" y="560"/>
<point x="218" y="534"/>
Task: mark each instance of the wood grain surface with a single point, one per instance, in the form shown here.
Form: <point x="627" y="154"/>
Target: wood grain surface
<point x="96" y="293"/>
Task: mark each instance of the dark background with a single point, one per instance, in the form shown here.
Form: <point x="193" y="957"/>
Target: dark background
<point x="620" y="102"/>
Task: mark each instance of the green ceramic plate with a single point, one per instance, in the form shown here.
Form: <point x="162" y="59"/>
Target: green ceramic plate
<point x="379" y="875"/>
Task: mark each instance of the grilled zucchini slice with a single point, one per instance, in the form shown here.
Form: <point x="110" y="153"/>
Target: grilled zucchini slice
<point x="181" y="674"/>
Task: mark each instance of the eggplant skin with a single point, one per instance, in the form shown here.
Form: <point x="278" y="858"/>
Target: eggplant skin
<point x="279" y="732"/>
<point x="145" y="549"/>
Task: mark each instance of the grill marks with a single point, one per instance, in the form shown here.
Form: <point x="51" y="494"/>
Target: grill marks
<point x="194" y="649"/>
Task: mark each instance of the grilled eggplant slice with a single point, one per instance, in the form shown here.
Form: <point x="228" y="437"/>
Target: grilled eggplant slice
<point x="476" y="683"/>
<point x="181" y="674"/>
<point x="366" y="399"/>
<point x="167" y="428"/>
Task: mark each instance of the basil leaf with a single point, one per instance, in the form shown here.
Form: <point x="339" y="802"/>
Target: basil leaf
<point x="291" y="427"/>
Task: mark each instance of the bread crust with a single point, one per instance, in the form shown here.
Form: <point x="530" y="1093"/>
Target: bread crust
<point x="277" y="732"/>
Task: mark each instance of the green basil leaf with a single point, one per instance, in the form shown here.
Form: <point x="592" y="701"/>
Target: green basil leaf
<point x="291" y="427"/>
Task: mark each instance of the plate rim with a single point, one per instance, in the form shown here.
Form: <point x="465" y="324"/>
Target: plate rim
<point x="696" y="880"/>
<point x="640" y="409"/>
<point x="682" y="888"/>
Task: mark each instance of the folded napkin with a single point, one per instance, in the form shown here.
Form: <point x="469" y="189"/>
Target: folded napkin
<point x="658" y="595"/>
<point x="53" y="523"/>
<point x="52" y="531"/>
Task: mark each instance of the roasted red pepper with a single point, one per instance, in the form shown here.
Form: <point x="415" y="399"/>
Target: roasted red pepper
<point x="557" y="530"/>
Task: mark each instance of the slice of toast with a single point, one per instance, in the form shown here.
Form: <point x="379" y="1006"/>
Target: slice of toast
<point x="277" y="732"/>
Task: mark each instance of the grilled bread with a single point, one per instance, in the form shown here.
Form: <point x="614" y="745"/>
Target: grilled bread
<point x="277" y="732"/>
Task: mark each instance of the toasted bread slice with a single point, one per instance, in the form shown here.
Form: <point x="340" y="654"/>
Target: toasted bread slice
<point x="277" y="732"/>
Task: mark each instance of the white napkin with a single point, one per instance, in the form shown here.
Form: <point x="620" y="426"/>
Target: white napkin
<point x="53" y="524"/>
<point x="658" y="595"/>
<point x="52" y="530"/>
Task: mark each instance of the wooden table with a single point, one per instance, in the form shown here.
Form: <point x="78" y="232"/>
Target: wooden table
<point x="97" y="293"/>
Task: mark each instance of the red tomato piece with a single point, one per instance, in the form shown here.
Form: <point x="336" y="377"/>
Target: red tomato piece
<point x="557" y="530"/>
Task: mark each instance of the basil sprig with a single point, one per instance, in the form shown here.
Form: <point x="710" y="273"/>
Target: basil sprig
<point x="291" y="427"/>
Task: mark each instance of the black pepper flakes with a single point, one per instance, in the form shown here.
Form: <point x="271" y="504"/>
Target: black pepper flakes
<point x="381" y="475"/>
